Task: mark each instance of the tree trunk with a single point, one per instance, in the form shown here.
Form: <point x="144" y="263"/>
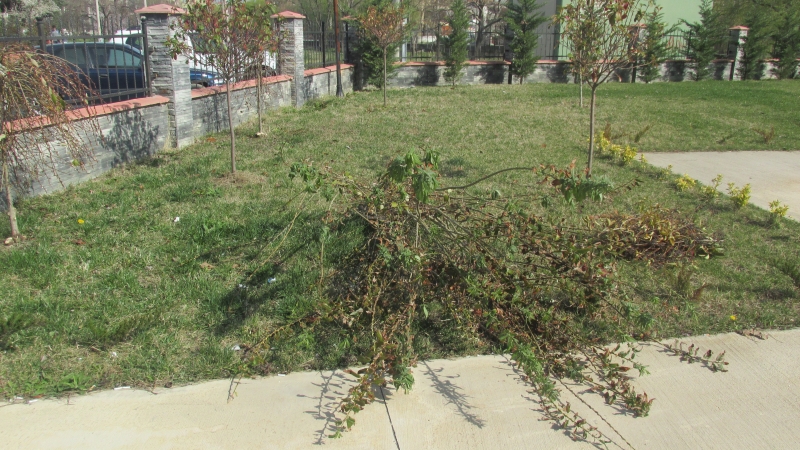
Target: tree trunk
<point x="591" y="129"/>
<point x="478" y="36"/>
<point x="259" y="93"/>
<point x="230" y="124"/>
<point x="12" y="213"/>
<point x="384" y="75"/>
<point x="580" y="82"/>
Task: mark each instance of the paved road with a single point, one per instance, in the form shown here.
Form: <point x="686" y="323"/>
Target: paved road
<point x="772" y="175"/>
<point x="477" y="402"/>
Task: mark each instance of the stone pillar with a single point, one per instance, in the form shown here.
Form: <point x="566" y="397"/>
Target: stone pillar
<point x="290" y="52"/>
<point x="738" y="36"/>
<point x="170" y="76"/>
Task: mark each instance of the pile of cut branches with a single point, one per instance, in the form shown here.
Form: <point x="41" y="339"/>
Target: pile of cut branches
<point x="656" y="234"/>
<point x="437" y="256"/>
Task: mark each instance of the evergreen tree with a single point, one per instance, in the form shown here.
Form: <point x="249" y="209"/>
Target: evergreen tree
<point x="705" y="38"/>
<point x="456" y="42"/>
<point x="523" y="18"/>
<point x="786" y="38"/>
<point x="654" y="47"/>
<point x="756" y="45"/>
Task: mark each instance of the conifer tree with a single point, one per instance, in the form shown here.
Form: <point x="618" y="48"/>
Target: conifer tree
<point x="523" y="18"/>
<point x="654" y="47"/>
<point x="786" y="38"/>
<point x="456" y="42"/>
<point x="705" y="38"/>
<point x="756" y="45"/>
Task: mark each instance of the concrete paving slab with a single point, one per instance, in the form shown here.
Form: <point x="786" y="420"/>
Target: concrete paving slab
<point x="477" y="402"/>
<point x="773" y="175"/>
<point x="295" y="411"/>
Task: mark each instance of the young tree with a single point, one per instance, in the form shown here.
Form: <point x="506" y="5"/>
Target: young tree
<point x="654" y="47"/>
<point x="386" y="28"/>
<point x="601" y="29"/>
<point x="523" y="18"/>
<point x="232" y="37"/>
<point x="578" y="44"/>
<point x="371" y="54"/>
<point x="456" y="42"/>
<point x="705" y="37"/>
<point x="37" y="121"/>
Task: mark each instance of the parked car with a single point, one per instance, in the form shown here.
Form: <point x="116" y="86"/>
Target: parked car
<point x="201" y="75"/>
<point x="115" y="70"/>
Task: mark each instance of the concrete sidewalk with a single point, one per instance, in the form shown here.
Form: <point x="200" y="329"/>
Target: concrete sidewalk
<point x="773" y="175"/>
<point x="477" y="402"/>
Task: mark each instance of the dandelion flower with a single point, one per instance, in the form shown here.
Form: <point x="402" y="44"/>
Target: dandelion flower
<point x="733" y="317"/>
<point x="80" y="221"/>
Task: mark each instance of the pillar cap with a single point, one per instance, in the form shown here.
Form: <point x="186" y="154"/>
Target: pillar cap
<point x="288" y="15"/>
<point x="161" y="9"/>
<point x="739" y="27"/>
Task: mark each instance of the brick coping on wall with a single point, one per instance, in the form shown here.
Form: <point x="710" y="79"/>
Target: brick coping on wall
<point x="214" y="90"/>
<point x="32" y="123"/>
<point x="541" y="61"/>
<point x="326" y="69"/>
<point x="441" y="63"/>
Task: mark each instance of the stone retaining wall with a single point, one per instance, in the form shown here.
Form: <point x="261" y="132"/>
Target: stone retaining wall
<point x="210" y="108"/>
<point x="322" y="82"/>
<point x="131" y="130"/>
<point x="547" y="71"/>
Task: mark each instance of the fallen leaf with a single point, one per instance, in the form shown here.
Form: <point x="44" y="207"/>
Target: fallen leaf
<point x="78" y="242"/>
<point x="8" y="241"/>
<point x="206" y="266"/>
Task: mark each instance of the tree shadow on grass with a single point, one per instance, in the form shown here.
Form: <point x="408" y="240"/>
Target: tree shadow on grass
<point x="284" y="269"/>
<point x="457" y="167"/>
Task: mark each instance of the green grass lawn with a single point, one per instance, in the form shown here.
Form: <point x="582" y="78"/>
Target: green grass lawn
<point x="135" y="296"/>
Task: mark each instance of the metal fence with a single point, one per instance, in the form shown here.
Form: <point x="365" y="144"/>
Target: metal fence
<point x="427" y="44"/>
<point x="66" y="25"/>
<point x="484" y="45"/>
<point x="319" y="44"/>
<point x="109" y="65"/>
<point x="679" y="45"/>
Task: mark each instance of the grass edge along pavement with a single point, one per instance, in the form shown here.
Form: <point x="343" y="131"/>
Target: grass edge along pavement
<point x="132" y="296"/>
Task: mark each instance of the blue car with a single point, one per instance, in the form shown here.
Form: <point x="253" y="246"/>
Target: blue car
<point x="114" y="71"/>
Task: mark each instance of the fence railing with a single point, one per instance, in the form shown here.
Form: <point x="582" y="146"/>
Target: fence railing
<point x="319" y="44"/>
<point x="112" y="68"/>
<point x="67" y="25"/>
<point x="428" y="45"/>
